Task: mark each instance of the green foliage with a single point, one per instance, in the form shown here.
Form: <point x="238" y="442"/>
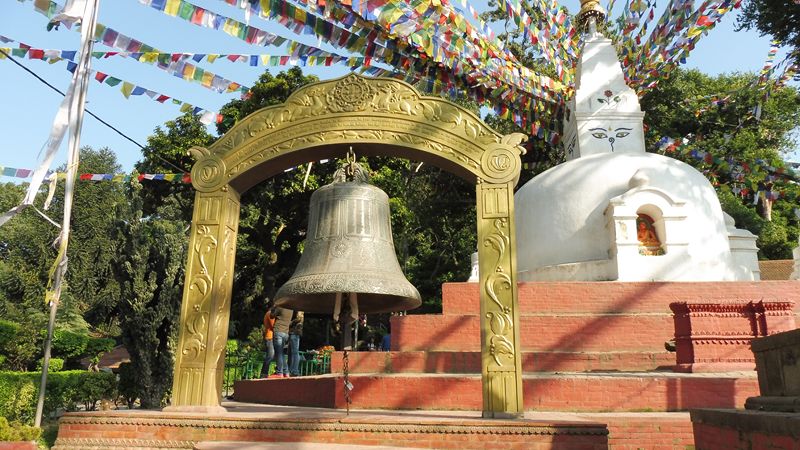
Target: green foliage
<point x="65" y="390"/>
<point x="128" y="384"/>
<point x="98" y="346"/>
<point x="681" y="107"/>
<point x="167" y="151"/>
<point x="148" y="266"/>
<point x="20" y="352"/>
<point x="778" y="18"/>
<point x="55" y="365"/>
<point x="69" y="344"/>
<point x="8" y="331"/>
<point x="18" y="432"/>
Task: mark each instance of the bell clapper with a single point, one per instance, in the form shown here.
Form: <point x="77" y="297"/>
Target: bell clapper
<point x="345" y="318"/>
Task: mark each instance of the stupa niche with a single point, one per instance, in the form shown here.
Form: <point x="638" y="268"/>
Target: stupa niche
<point x="613" y="211"/>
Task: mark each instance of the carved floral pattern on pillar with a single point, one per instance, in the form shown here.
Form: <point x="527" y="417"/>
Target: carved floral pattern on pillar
<point x="500" y="322"/>
<point x="200" y="287"/>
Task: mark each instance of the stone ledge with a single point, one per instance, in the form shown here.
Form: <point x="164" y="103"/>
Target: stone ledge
<point x="775" y="423"/>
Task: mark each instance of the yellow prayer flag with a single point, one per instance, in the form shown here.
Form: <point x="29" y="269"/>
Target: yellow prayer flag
<point x="231" y="27"/>
<point x="208" y="77"/>
<point x="188" y="72"/>
<point x="264" y="60"/>
<point x="299" y="15"/>
<point x="5" y="51"/>
<point x="127" y="88"/>
<point x="150" y="57"/>
<point x="186" y="107"/>
<point x="118" y="177"/>
<point x="212" y="57"/>
<point x="172" y="7"/>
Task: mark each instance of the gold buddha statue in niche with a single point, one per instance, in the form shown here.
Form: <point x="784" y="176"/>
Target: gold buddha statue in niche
<point x="649" y="243"/>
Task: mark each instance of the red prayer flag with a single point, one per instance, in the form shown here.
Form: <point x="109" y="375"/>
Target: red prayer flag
<point x="100" y="76"/>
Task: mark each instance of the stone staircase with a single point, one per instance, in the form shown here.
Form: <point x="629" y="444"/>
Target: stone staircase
<point x="587" y="348"/>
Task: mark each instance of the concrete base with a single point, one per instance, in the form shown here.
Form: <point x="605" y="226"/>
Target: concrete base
<point x="249" y="425"/>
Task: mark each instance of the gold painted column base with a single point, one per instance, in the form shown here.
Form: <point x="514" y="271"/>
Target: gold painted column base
<point x="197" y="409"/>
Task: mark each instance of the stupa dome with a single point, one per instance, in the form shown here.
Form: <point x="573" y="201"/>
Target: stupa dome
<point x="566" y="229"/>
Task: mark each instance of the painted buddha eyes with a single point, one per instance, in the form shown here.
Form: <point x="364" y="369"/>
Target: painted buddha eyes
<point x="621" y="134"/>
<point x="599" y="135"/>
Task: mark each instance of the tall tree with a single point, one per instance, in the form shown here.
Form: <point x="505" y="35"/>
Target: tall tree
<point x="740" y="128"/>
<point x="777" y="18"/>
<point x="149" y="259"/>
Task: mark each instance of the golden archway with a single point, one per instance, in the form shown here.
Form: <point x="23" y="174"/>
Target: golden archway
<point x="321" y="120"/>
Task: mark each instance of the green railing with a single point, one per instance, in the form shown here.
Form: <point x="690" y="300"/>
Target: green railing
<point x="246" y="365"/>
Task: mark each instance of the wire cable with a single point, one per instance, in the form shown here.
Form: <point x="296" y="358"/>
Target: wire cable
<point x="59" y="91"/>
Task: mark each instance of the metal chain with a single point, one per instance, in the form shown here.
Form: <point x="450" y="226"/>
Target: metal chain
<point x="350" y="170"/>
<point x="347" y="385"/>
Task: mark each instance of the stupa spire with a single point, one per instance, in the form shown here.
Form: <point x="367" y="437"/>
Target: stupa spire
<point x="604" y="115"/>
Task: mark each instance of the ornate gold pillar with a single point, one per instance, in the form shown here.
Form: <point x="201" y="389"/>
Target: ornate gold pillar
<point x="501" y="370"/>
<point x="205" y="308"/>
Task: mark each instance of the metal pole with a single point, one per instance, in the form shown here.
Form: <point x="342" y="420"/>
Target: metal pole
<point x="81" y="80"/>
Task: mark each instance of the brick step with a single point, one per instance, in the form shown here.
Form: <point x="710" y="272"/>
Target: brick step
<point x="588" y="392"/>
<point x="292" y="428"/>
<point x="470" y="362"/>
<point x="619" y="297"/>
<point x="553" y="333"/>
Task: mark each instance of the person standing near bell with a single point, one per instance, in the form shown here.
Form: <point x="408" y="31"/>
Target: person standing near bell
<point x="280" y="336"/>
<point x="295" y="332"/>
<point x="269" y="351"/>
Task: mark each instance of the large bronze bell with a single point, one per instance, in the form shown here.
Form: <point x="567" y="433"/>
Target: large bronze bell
<point x="348" y="250"/>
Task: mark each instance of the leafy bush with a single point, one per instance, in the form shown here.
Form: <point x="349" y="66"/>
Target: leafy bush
<point x="15" y="431"/>
<point x="8" y="330"/>
<point x="56" y="364"/>
<point x="21" y="348"/>
<point x="69" y="344"/>
<point x="65" y="390"/>
<point x="98" y="346"/>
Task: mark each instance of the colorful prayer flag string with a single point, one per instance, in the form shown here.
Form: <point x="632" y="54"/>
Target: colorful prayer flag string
<point x="115" y="177"/>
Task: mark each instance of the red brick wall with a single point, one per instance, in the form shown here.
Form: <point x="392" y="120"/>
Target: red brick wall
<point x="578" y="316"/>
<point x="619" y="297"/>
<point x="589" y="393"/>
<point x="470" y="362"/>
<point x="300" y="391"/>
<point x="651" y="431"/>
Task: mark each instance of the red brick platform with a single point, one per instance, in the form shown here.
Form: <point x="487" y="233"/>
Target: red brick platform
<point x="258" y="423"/>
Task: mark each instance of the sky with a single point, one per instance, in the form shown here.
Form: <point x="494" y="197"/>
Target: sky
<point x="27" y="106"/>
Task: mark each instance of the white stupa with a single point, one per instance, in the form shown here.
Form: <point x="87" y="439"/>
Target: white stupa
<point x="614" y="211"/>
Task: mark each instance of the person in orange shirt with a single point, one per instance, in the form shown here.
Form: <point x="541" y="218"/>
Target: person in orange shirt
<point x="269" y="325"/>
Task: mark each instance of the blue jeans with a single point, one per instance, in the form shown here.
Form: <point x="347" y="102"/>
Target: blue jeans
<point x="294" y="354"/>
<point x="269" y="355"/>
<point x="278" y="340"/>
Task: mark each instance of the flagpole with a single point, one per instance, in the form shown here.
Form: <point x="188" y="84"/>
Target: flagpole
<point x="76" y="110"/>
